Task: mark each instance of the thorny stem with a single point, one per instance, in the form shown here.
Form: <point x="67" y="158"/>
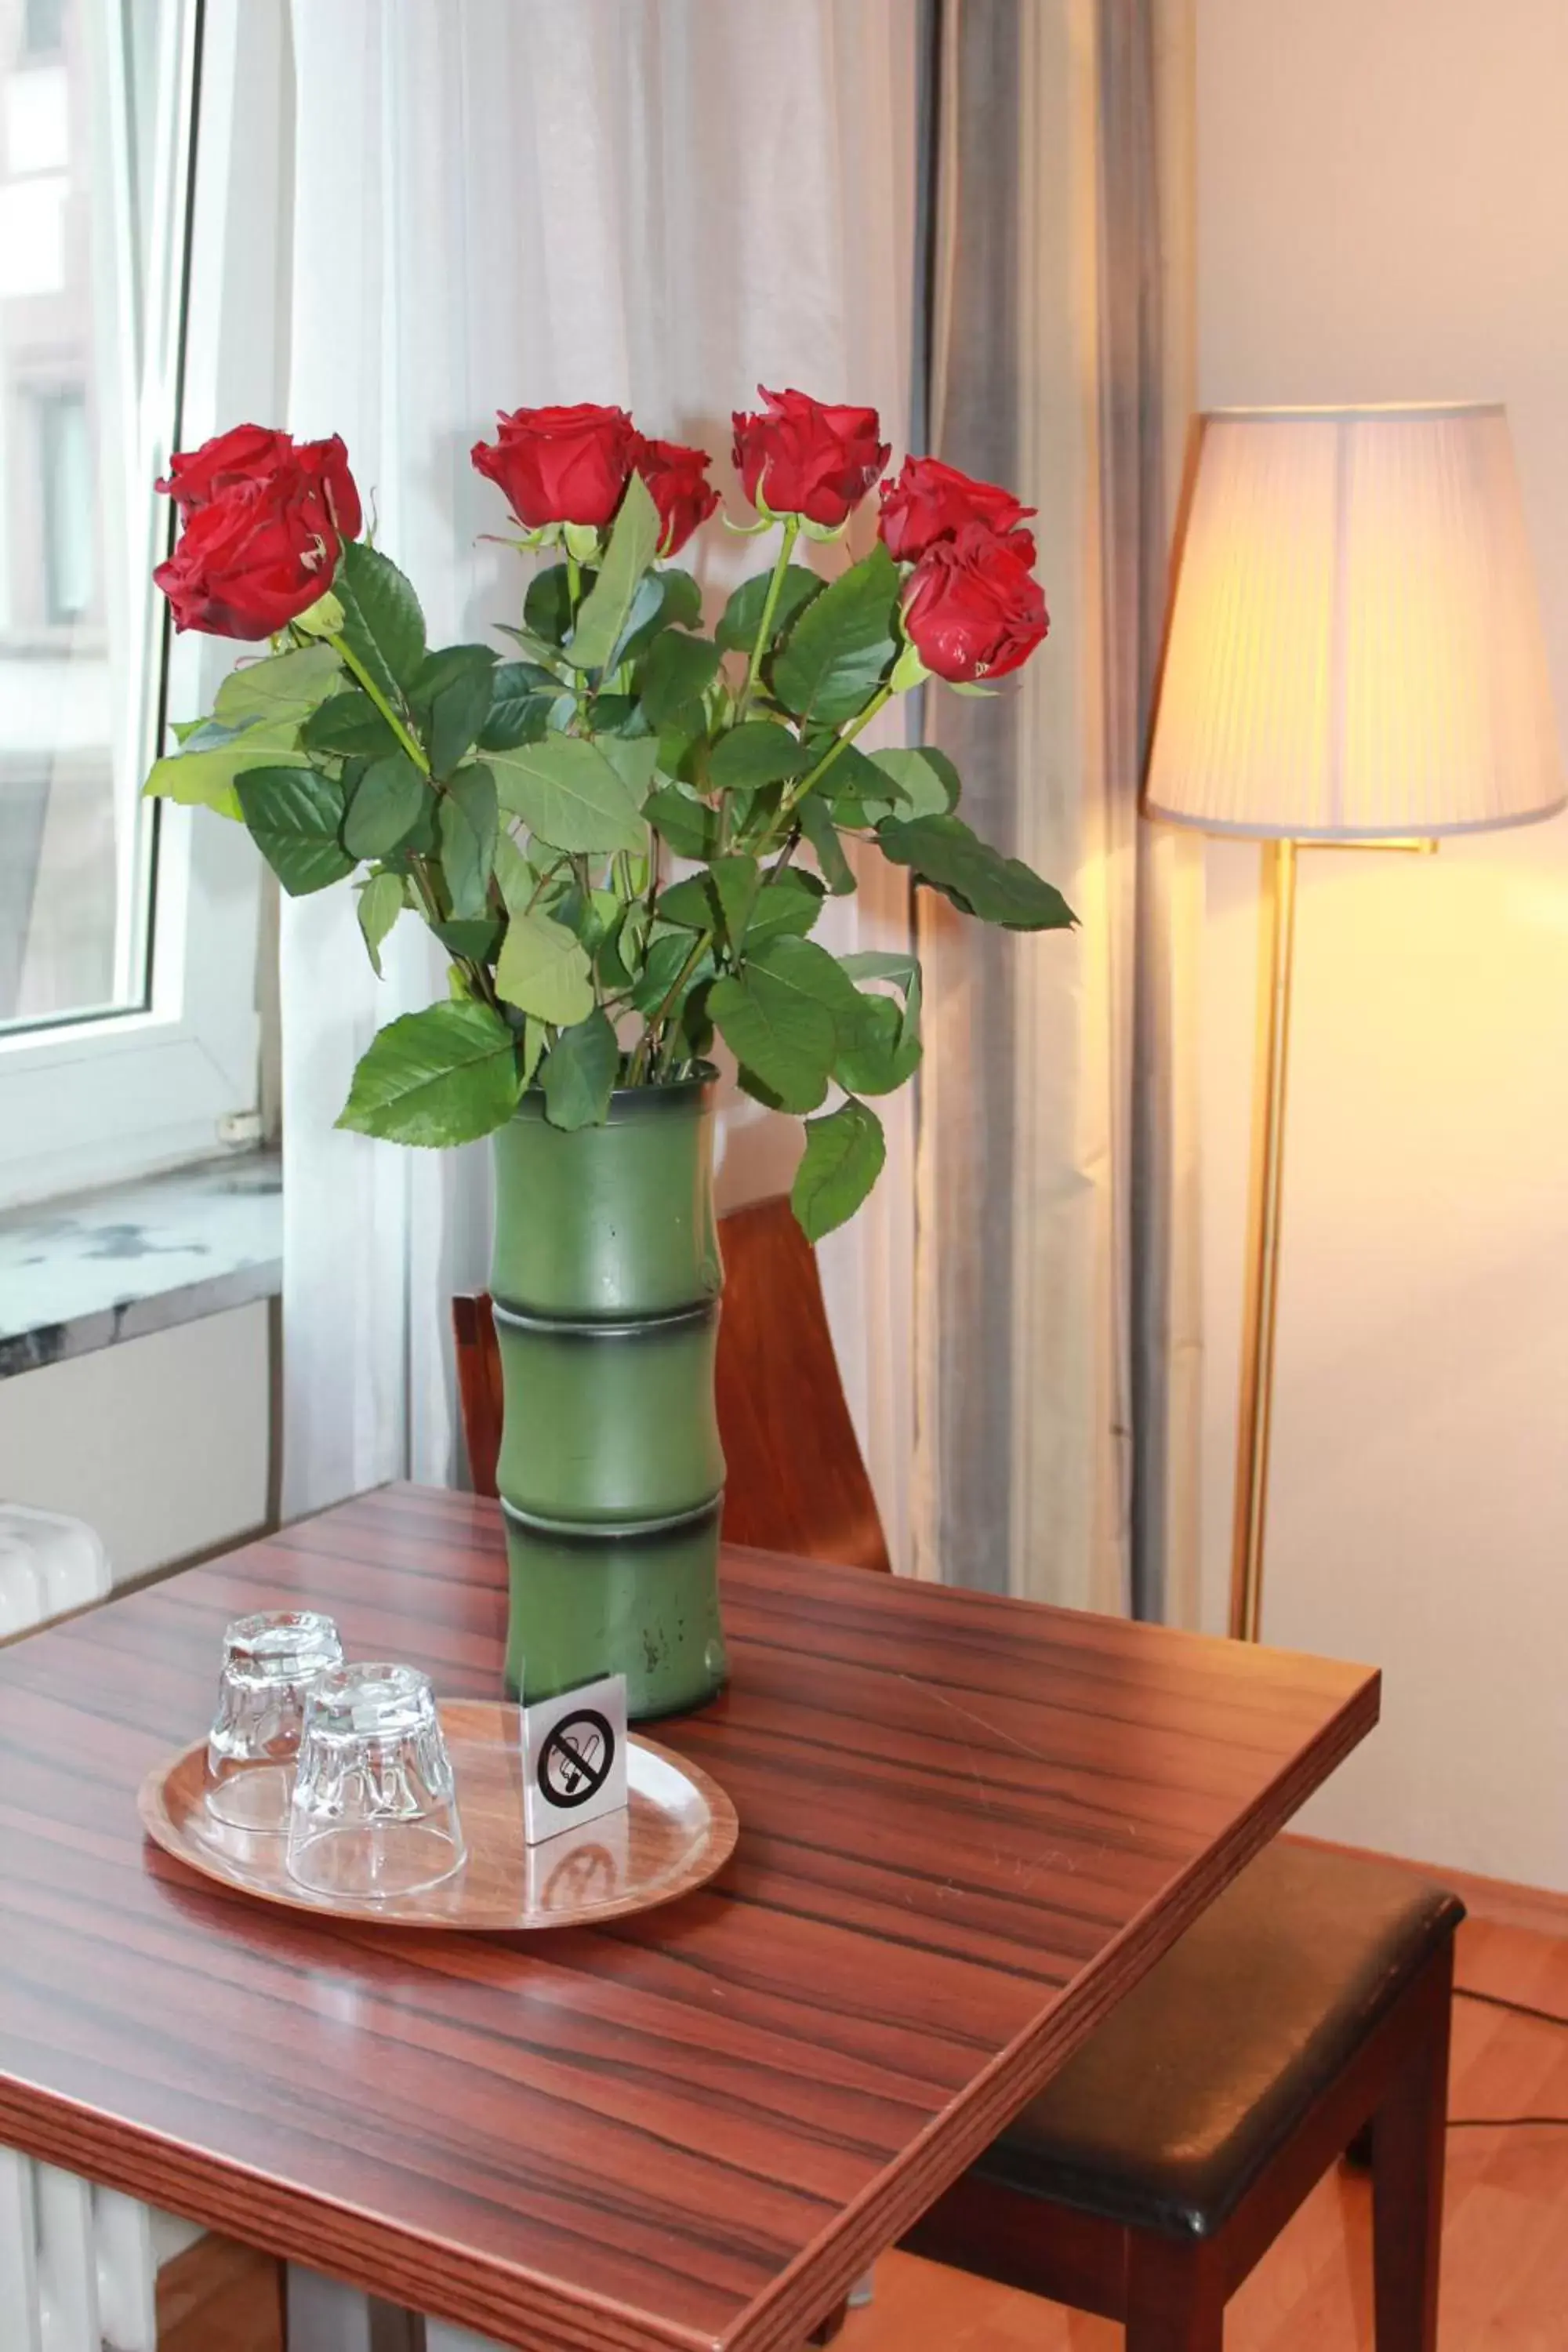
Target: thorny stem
<point x="794" y="794"/>
<point x="410" y="743"/>
<point x="770" y="606"/>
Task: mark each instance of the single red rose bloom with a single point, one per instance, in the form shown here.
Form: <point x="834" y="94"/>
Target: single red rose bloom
<point x="972" y="608"/>
<point x="928" y="501"/>
<point x="257" y="454"/>
<point x="801" y="456"/>
<point x="252" y="558"/>
<point x="678" y="479"/>
<point x="560" y="465"/>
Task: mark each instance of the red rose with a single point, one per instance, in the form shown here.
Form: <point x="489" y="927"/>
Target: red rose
<point x="561" y="464"/>
<point x="972" y="608"/>
<point x="678" y="479"/>
<point x="801" y="457"/>
<point x="252" y="557"/>
<point x="929" y="502"/>
<point x="255" y="453"/>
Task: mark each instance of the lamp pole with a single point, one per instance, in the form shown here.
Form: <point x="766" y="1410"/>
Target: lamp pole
<point x="1276" y="968"/>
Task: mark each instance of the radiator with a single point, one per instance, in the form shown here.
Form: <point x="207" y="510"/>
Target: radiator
<point x="77" y="2264"/>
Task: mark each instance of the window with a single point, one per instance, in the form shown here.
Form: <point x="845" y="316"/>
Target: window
<point x="43" y="27"/>
<point x="139" y="303"/>
<point x="65" y="477"/>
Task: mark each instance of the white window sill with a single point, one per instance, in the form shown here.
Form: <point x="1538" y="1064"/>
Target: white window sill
<point x="93" y="1268"/>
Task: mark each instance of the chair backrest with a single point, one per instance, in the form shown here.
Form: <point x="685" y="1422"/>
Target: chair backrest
<point x="796" y="1480"/>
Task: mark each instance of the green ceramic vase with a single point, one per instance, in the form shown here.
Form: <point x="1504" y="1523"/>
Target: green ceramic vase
<point x="606" y="1279"/>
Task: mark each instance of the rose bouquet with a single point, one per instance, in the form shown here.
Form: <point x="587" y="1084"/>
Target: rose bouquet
<point x="623" y="833"/>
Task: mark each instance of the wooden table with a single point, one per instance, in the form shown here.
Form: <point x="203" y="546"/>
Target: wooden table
<point x="968" y="1826"/>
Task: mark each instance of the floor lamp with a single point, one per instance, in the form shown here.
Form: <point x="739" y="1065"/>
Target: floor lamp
<point x="1354" y="654"/>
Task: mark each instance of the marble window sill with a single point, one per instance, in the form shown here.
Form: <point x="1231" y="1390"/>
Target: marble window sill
<point x="87" y="1271"/>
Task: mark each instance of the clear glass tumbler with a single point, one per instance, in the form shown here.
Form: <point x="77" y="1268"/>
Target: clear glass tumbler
<point x="374" y="1811"/>
<point x="270" y="1663"/>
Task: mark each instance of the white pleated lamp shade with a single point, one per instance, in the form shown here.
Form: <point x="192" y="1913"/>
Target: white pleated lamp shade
<point x="1355" y="647"/>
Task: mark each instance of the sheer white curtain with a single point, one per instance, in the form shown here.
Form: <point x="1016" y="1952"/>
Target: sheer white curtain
<point x="501" y="202"/>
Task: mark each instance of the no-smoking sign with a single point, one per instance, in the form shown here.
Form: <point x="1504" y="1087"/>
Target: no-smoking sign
<point x="574" y="1758"/>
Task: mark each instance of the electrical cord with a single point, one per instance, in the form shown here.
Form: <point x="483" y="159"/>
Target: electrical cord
<point x="1520" y="2008"/>
<point x="1510" y="2123"/>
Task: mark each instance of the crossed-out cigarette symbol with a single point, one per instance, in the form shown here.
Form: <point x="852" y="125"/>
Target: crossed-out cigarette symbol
<point x="575" y="1759"/>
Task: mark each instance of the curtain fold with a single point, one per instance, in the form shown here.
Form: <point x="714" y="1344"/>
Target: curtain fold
<point x="1055" y="1325"/>
<point x="508" y="202"/>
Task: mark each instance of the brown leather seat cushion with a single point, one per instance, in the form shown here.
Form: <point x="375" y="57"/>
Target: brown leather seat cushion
<point x="1172" y="2109"/>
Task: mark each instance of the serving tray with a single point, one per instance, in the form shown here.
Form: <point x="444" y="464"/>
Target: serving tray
<point x="678" y="1830"/>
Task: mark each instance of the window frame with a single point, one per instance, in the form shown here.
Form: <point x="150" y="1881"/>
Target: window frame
<point x="101" y="1097"/>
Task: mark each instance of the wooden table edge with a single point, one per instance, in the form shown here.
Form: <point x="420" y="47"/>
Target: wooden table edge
<point x="297" y="2226"/>
<point x="802" y="2295"/>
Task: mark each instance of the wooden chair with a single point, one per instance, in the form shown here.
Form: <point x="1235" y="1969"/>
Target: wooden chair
<point x="780" y="1400"/>
<point x="1307" y="2006"/>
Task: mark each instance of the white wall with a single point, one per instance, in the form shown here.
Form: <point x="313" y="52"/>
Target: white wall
<point x="161" y="1442"/>
<point x="1384" y="214"/>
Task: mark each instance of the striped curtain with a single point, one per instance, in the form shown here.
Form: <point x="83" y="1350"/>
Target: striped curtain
<point x="1057" y="1348"/>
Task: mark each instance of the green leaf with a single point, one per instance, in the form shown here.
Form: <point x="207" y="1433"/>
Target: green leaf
<point x="521" y="699"/>
<point x="580" y="1075"/>
<point x="453" y="696"/>
<point x="470" y="823"/>
<point x="446" y="665"/>
<point x="381" y="901"/>
<point x="860" y="795"/>
<point x="679" y="608"/>
<point x="632" y="758"/>
<point x="883" y="963"/>
<point x="688" y="904"/>
<point x="547" y="605"/>
<point x="736" y="632"/>
<point x="606" y="609"/>
<point x="884" y="1051"/>
<point x="282" y="687"/>
<point x="348" y="725"/>
<point x="734" y="882"/>
<point x="843" y="1159"/>
<point x="591" y="916"/>
<point x="927" y="781"/>
<point x="642" y="623"/>
<point x="202" y="773"/>
<point x="476" y="937"/>
<point x="387" y="805"/>
<point x="666" y="959"/>
<point x="517" y="877"/>
<point x="383" y="624"/>
<point x="569" y="794"/>
<point x="689" y="827"/>
<point x="537" y="649"/>
<point x="760" y="752"/>
<point x="446" y="1075"/>
<point x="816" y="820"/>
<point x="842" y="644"/>
<point x="295" y="816"/>
<point x="544" y="971"/>
<point x="781" y="1018"/>
<point x="977" y="879"/>
<point x="677" y="671"/>
<point x="786" y="907"/>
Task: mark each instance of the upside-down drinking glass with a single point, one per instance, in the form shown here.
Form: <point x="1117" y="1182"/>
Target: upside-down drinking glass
<point x="270" y="1663"/>
<point x="374" y="1812"/>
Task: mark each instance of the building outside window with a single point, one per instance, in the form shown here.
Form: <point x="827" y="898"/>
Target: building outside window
<point x="126" y="943"/>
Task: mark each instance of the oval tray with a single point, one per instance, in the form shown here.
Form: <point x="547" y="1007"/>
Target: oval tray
<point x="678" y="1830"/>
